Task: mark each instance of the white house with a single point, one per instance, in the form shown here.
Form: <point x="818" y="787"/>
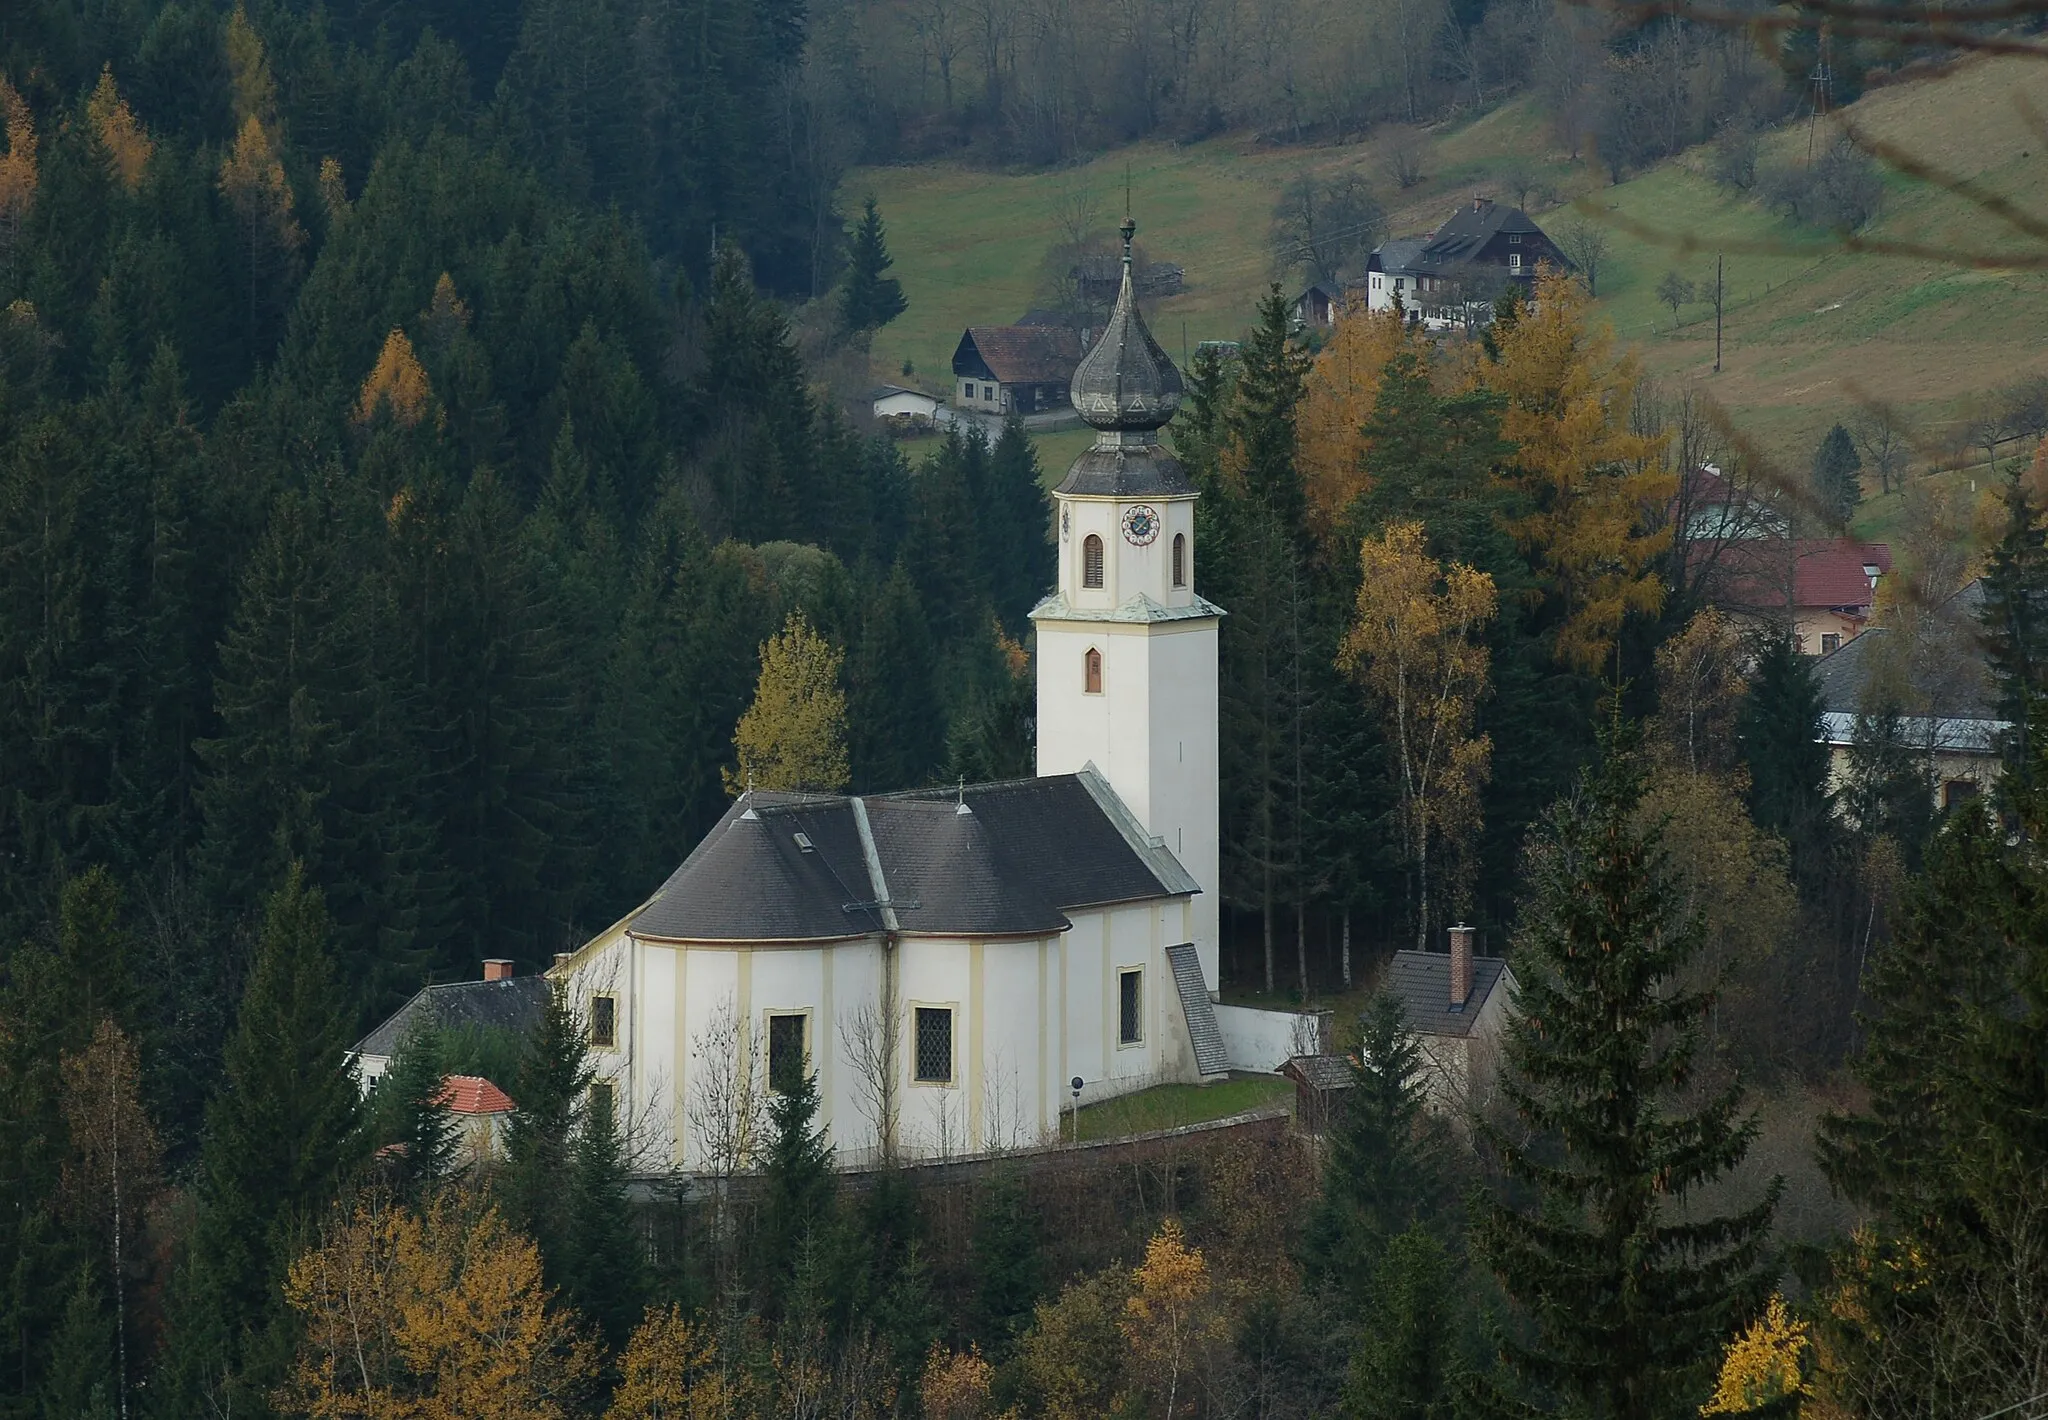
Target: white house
<point x="948" y="962"/>
<point x="905" y="406"/>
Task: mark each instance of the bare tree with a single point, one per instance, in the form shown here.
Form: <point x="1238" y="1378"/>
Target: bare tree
<point x="1324" y="224"/>
<point x="726" y="1107"/>
<point x="867" y="1034"/>
<point x="1584" y="245"/>
<point x="941" y="29"/>
<point x="1881" y="438"/>
<point x="1401" y="154"/>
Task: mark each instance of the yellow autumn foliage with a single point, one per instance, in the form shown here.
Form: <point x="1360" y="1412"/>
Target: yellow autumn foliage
<point x="249" y="70"/>
<point x="1588" y="478"/>
<point x="128" y="147"/>
<point x="440" y="1315"/>
<point x="333" y="191"/>
<point x="794" y="734"/>
<point x="397" y="382"/>
<point x="1416" y="646"/>
<point x="1762" y="1365"/>
<point x="671" y="1370"/>
<point x="958" y="1385"/>
<point x="1337" y="400"/>
<point x="19" y="174"/>
<point x="1171" y="1320"/>
<point x="252" y="179"/>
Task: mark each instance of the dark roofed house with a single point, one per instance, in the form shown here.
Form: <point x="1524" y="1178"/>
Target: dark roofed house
<point x="1457" y="1008"/>
<point x="1452" y="276"/>
<point x="1317" y="307"/>
<point x="501" y="1000"/>
<point x="1025" y="368"/>
<point x="1932" y="670"/>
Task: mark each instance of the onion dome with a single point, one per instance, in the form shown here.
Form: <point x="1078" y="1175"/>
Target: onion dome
<point x="1127" y="388"/>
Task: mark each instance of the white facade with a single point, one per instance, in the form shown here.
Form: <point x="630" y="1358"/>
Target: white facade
<point x="692" y="1021"/>
<point x="1147" y="716"/>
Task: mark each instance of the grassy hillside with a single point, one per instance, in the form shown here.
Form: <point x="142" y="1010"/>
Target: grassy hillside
<point x="1809" y="328"/>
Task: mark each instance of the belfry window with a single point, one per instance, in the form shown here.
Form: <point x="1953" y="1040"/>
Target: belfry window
<point x="1091" y="561"/>
<point x="1180" y="559"/>
<point x="1091" y="672"/>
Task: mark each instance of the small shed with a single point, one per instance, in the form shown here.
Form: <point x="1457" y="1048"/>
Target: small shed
<point x="480" y="1111"/>
<point x="1320" y="1082"/>
<point x="901" y="407"/>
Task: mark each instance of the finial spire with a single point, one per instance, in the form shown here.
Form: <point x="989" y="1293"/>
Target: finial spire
<point x="1126" y="384"/>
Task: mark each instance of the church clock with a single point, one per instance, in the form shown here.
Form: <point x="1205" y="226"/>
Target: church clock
<point x="1141" y="525"/>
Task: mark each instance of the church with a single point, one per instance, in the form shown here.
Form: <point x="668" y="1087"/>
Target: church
<point x="960" y="967"/>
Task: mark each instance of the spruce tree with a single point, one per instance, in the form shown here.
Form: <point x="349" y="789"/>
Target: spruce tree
<point x="1411" y="1340"/>
<point x="410" y="1115"/>
<point x="280" y="1135"/>
<point x="1786" y="754"/>
<point x="797" y="1195"/>
<point x="1384" y="1172"/>
<point x="1625" y="1293"/>
<point x="871" y="298"/>
<point x="1888" y="793"/>
<point x="549" y="1092"/>
<point x="1003" y="1253"/>
<point x="604" y="1272"/>
<point x="1836" y="488"/>
<point x="2015" y="620"/>
<point x="1016" y="525"/>
<point x="895" y="719"/>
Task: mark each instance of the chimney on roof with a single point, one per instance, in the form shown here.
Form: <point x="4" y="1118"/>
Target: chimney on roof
<point x="561" y="957"/>
<point x="1479" y="202"/>
<point x="1461" y="966"/>
<point x="497" y="968"/>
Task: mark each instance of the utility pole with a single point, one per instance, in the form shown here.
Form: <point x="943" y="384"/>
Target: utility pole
<point x="1717" y="313"/>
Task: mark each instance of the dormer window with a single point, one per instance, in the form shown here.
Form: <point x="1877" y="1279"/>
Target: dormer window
<point x="1180" y="559"/>
<point x="1091" y="562"/>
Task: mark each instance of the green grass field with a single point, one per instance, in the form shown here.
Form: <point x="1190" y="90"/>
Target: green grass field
<point x="1173" y="1106"/>
<point x="1809" y="330"/>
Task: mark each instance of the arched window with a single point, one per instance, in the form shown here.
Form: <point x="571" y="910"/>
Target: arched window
<point x="1180" y="559"/>
<point x="1091" y="672"/>
<point x="1091" y="561"/>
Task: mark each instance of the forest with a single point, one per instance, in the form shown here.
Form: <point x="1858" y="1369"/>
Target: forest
<point x="415" y="429"/>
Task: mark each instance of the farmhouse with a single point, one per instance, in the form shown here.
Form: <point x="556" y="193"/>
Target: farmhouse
<point x="1027" y="369"/>
<point x="1930" y="671"/>
<point x="1456" y="271"/>
<point x="947" y="963"/>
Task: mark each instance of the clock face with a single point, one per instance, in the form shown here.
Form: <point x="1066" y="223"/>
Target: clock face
<point x="1141" y="525"/>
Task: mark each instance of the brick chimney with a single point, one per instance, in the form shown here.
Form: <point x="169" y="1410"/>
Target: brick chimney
<point x="497" y="968"/>
<point x="1461" y="966"/>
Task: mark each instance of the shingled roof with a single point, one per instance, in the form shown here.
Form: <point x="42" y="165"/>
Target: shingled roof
<point x="1002" y="859"/>
<point x="513" y="1004"/>
<point x="1940" y="678"/>
<point x="1018" y="354"/>
<point x="1423" y="982"/>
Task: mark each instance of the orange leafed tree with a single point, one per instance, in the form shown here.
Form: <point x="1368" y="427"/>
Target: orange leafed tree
<point x="129" y="149"/>
<point x="18" y="171"/>
<point x="1337" y="400"/>
<point x="253" y="181"/>
<point x="1415" y="646"/>
<point x="397" y="382"/>
<point x="1590" y="481"/>
<point x="440" y="1315"/>
<point x="958" y="1385"/>
<point x="1171" y="1321"/>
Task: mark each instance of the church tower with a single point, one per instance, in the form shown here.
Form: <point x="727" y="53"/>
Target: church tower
<point x="1126" y="650"/>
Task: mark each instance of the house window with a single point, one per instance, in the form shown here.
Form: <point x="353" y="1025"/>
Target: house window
<point x="1958" y="791"/>
<point x="1830" y="642"/>
<point x="1091" y="561"/>
<point x="934" y="1045"/>
<point x="970" y="389"/>
<point x="1180" y="559"/>
<point x="1130" y="1006"/>
<point x="1514" y="261"/>
<point x="603" y="1100"/>
<point x="604" y="1022"/>
<point x="787" y="1065"/>
<point x="1514" y="239"/>
<point x="1091" y="671"/>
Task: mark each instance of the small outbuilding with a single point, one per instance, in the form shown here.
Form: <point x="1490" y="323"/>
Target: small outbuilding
<point x="1321" y="1086"/>
<point x="501" y="1001"/>
<point x="903" y="408"/>
<point x="1457" y="1006"/>
<point x="480" y="1111"/>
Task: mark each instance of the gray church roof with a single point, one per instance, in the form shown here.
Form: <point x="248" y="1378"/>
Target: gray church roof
<point x="1126" y="381"/>
<point x="1127" y="471"/>
<point x="790" y="867"/>
<point x="514" y="1004"/>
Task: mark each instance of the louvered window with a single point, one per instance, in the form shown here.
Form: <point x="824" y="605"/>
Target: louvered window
<point x="934" y="1045"/>
<point x="1091" y="561"/>
<point x="1180" y="559"/>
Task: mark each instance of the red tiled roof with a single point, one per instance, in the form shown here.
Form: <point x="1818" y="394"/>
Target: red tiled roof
<point x="472" y="1094"/>
<point x="1753" y="573"/>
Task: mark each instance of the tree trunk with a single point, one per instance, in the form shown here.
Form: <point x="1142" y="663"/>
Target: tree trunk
<point x="1266" y="913"/>
<point x="1301" y="947"/>
<point x="1347" y="948"/>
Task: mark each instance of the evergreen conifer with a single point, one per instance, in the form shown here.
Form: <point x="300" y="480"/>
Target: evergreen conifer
<point x="797" y="1194"/>
<point x="1627" y="1295"/>
<point x="549" y="1091"/>
<point x="2015" y="617"/>
<point x="411" y="1119"/>
<point x="1408" y="1359"/>
<point x="871" y="298"/>
<point x="1836" y="488"/>
<point x="1786" y="755"/>
<point x="604" y="1271"/>
<point x="1003" y="1251"/>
